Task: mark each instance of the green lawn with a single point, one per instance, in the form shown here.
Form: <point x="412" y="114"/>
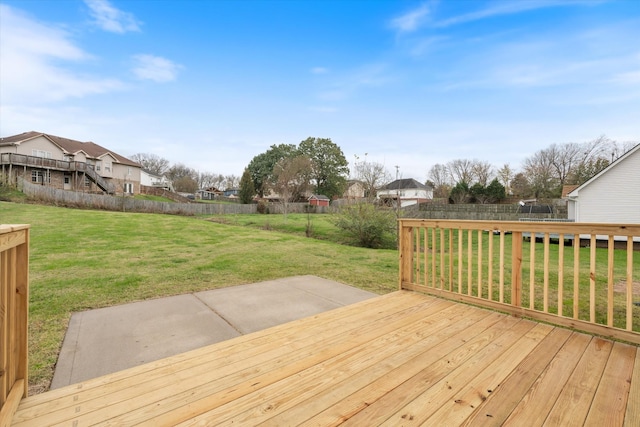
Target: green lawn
<point x="536" y="286"/>
<point x="152" y="198"/>
<point x="83" y="259"/>
<point x="320" y="226"/>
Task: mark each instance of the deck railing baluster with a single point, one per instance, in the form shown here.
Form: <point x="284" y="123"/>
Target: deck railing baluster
<point x="476" y="260"/>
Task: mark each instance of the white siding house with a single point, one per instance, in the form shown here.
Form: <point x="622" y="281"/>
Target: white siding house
<point x="409" y="191"/>
<point x="149" y="179"/>
<point x="611" y="196"/>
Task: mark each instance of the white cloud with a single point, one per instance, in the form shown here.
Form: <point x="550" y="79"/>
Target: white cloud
<point x="411" y="21"/>
<point x="155" y="68"/>
<point x="32" y="58"/>
<point x="506" y="8"/>
<point x="111" y="19"/>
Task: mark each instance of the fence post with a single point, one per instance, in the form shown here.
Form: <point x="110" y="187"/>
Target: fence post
<point x="14" y="311"/>
<point x="406" y="254"/>
<point x="516" y="268"/>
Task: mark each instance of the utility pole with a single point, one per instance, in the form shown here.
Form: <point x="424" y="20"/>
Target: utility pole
<point x="397" y="192"/>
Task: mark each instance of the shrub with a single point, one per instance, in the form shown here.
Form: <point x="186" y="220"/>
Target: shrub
<point x="263" y="207"/>
<point x="367" y="225"/>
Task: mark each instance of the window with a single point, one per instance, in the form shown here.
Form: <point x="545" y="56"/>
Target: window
<point x="128" y="188"/>
<point x="40" y="176"/>
<point x="98" y="168"/>
<point x="128" y="171"/>
<point x="67" y="179"/>
<point x="41" y="153"/>
<point x="87" y="181"/>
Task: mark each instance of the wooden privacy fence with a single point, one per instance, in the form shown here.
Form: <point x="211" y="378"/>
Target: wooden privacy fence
<point x="533" y="269"/>
<point x="14" y="297"/>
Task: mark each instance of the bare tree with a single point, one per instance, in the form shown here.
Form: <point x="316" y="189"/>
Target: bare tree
<point x="152" y="163"/>
<point x="461" y="170"/>
<point x="482" y="171"/>
<point x="441" y="180"/>
<point x="540" y="173"/>
<point x="206" y="180"/>
<point x="549" y="169"/>
<point x="185" y="184"/>
<point x="232" y="181"/>
<point x="619" y="148"/>
<point x="593" y="156"/>
<point x="505" y="175"/>
<point x="291" y="178"/>
<point x="180" y="170"/>
<point x="372" y="175"/>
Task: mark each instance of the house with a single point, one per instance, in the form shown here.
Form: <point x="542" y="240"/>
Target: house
<point x="68" y="164"/>
<point x="612" y="195"/>
<point x="149" y="179"/>
<point x="231" y="192"/>
<point x="318" y="200"/>
<point x="355" y="190"/>
<point x="208" y="193"/>
<point x="408" y="190"/>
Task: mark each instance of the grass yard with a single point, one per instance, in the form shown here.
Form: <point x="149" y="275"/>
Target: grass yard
<point x="83" y="259"/>
<point x="533" y="279"/>
<point x="320" y="226"/>
<point x="152" y="198"/>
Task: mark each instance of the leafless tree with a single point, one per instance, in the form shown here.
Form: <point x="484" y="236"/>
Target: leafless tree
<point x="372" y="175"/>
<point x="549" y="169"/>
<point x="540" y="173"/>
<point x="207" y="180"/>
<point x="152" y="163"/>
<point x="461" y="170"/>
<point x="180" y="170"/>
<point x="185" y="184"/>
<point x="441" y="180"/>
<point x="619" y="148"/>
<point x="291" y="179"/>
<point x="482" y="172"/>
<point x="232" y="181"/>
<point x="505" y="175"/>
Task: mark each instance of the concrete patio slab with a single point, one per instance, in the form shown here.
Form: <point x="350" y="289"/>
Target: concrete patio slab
<point x="110" y="339"/>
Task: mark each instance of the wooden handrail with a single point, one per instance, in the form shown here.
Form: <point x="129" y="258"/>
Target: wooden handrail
<point x="579" y="275"/>
<point x="64" y="165"/>
<point x="14" y="298"/>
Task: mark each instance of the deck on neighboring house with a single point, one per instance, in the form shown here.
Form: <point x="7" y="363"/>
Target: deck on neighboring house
<point x="399" y="359"/>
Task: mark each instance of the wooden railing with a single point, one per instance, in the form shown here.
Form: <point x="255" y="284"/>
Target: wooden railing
<point x="584" y="276"/>
<point x="64" y="165"/>
<point x="14" y="297"/>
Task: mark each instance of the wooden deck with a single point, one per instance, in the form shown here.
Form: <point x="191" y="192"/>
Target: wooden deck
<point x="400" y="359"/>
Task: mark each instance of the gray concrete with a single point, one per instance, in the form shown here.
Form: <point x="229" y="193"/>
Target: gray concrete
<point x="107" y="340"/>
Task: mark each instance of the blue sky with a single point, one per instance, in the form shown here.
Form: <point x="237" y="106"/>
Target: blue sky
<point x="212" y="84"/>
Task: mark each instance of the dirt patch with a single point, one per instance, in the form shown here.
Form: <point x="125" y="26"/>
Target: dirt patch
<point x="621" y="287"/>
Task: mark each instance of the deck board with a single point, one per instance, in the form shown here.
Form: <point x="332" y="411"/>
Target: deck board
<point x="401" y="359"/>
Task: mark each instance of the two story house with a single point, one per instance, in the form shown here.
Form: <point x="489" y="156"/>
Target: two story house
<point x="406" y="191"/>
<point x="68" y="164"/>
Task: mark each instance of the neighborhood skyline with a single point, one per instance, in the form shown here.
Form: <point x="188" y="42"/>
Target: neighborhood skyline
<point x="408" y="84"/>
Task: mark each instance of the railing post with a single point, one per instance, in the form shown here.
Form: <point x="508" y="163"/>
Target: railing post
<point x="406" y="254"/>
<point x="14" y="309"/>
<point x="516" y="268"/>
